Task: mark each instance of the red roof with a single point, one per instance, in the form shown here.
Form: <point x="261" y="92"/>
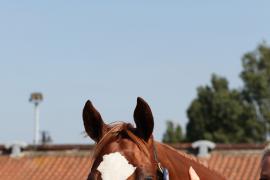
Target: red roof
<point x="236" y="162"/>
<point x="236" y="165"/>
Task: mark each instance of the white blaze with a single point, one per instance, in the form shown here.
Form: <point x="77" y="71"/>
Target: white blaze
<point x="193" y="175"/>
<point x="115" y="167"/>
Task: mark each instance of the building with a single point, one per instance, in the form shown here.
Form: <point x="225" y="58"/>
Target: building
<point x="71" y="162"/>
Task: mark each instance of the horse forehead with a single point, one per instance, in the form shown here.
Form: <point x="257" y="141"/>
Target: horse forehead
<point x="122" y="145"/>
<point x="115" y="166"/>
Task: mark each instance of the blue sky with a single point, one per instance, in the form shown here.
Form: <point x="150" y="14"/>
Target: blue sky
<point x="112" y="52"/>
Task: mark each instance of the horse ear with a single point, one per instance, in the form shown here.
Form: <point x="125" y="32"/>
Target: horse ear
<point x="93" y="123"/>
<point x="144" y="119"/>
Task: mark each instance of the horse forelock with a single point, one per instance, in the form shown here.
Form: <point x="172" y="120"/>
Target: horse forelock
<point x="115" y="130"/>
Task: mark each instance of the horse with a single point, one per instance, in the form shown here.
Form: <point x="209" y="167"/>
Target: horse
<point x="123" y="151"/>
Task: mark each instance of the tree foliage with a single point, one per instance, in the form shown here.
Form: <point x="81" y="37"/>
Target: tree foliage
<point x="222" y="115"/>
<point x="173" y="133"/>
<point x="225" y="115"/>
<point x="256" y="77"/>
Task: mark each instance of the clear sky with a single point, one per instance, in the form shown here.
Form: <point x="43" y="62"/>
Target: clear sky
<point x="111" y="53"/>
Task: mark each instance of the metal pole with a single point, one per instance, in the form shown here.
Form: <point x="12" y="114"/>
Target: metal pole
<point x="36" y="98"/>
<point x="36" y="131"/>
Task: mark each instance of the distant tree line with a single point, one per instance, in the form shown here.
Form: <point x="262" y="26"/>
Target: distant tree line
<point x="225" y="115"/>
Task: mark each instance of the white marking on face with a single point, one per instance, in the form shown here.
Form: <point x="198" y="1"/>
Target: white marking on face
<point x="193" y="175"/>
<point x="115" y="167"/>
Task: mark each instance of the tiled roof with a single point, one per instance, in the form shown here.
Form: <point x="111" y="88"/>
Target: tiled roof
<point x="45" y="167"/>
<point x="236" y="162"/>
<point x="236" y="165"/>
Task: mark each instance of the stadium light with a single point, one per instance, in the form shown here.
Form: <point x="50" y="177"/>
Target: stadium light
<point x="36" y="98"/>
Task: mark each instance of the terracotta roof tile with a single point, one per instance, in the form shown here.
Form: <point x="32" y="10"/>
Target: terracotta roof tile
<point x="234" y="164"/>
<point x="44" y="167"/>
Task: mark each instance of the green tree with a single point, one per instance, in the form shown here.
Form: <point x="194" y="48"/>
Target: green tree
<point x="256" y="77"/>
<point x="222" y="115"/>
<point x="173" y="133"/>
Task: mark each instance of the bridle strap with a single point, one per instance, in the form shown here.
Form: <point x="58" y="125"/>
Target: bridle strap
<point x="163" y="171"/>
<point x="156" y="158"/>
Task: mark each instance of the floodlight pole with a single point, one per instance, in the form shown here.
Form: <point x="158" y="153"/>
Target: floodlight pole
<point x="36" y="116"/>
<point x="36" y="98"/>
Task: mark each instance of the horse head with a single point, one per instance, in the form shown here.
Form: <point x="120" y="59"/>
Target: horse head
<point x="122" y="151"/>
<point x="126" y="152"/>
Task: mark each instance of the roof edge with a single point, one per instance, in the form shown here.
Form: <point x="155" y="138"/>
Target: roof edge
<point x="179" y="146"/>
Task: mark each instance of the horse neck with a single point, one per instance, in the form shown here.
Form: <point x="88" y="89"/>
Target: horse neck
<point x="179" y="163"/>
